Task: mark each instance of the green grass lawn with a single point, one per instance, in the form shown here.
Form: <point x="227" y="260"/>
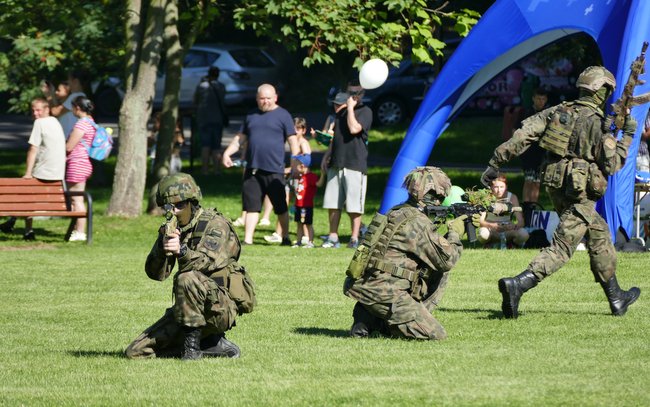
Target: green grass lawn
<point x="69" y="310"/>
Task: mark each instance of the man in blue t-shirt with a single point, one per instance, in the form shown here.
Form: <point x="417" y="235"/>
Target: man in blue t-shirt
<point x="265" y="131"/>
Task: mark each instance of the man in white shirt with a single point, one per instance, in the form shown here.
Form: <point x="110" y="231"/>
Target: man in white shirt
<point x="45" y="156"/>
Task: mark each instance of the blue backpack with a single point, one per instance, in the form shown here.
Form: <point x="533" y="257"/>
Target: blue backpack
<point x="102" y="143"/>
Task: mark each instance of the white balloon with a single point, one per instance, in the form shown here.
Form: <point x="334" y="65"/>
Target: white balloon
<point x="373" y="74"/>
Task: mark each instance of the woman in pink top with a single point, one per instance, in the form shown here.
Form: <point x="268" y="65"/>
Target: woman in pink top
<point x="78" y="165"/>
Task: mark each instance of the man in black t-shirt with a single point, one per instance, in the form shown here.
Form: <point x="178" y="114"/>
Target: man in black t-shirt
<point x="346" y="163"/>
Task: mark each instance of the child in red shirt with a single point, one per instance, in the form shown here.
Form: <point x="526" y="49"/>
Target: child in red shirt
<point x="305" y="192"/>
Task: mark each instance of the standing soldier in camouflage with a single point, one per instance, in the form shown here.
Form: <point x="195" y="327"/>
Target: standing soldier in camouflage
<point x="210" y="288"/>
<point x="580" y="153"/>
<point x="407" y="267"/>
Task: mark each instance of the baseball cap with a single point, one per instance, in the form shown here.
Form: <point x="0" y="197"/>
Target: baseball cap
<point x="341" y="98"/>
<point x="305" y="159"/>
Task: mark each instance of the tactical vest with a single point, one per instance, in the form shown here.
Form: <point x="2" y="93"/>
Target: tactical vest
<point x="233" y="277"/>
<point x="372" y="249"/>
<point x="557" y="135"/>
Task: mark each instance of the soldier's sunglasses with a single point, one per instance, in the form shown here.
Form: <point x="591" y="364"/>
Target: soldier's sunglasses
<point x="180" y="205"/>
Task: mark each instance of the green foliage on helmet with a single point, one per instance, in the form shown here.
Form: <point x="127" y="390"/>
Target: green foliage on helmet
<point x="594" y="78"/>
<point x="423" y="181"/>
<point x="177" y="188"/>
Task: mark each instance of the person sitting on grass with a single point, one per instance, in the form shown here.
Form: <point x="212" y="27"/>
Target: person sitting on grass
<point x="493" y="226"/>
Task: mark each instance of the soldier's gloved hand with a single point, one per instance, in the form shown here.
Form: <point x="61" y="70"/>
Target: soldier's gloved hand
<point x="476" y="220"/>
<point x="499" y="208"/>
<point x="489" y="175"/>
<point x="457" y="225"/>
<point x="629" y="126"/>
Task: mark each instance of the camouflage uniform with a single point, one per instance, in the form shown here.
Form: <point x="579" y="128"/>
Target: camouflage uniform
<point x="210" y="287"/>
<point x="574" y="181"/>
<point x="398" y="291"/>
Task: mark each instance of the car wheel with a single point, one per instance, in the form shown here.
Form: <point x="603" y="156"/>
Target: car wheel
<point x="389" y="111"/>
<point x="108" y="102"/>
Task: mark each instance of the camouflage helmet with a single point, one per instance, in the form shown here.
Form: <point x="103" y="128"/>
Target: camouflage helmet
<point x="423" y="180"/>
<point x="595" y="77"/>
<point x="177" y="188"/>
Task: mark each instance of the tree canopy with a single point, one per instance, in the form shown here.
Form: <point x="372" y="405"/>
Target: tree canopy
<point x="384" y="29"/>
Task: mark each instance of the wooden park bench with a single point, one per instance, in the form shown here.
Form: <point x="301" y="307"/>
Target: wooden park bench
<point x="22" y="197"/>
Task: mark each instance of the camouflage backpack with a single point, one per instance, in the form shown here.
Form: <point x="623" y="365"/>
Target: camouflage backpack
<point x="558" y="132"/>
<point x="372" y="246"/>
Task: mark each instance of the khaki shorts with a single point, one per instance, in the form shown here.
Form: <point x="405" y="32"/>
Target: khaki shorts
<point x="345" y="187"/>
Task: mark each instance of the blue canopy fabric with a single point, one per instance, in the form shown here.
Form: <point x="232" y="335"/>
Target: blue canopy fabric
<point x="509" y="31"/>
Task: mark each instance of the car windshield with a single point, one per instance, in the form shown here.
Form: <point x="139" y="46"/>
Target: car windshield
<point x="195" y="59"/>
<point x="251" y="58"/>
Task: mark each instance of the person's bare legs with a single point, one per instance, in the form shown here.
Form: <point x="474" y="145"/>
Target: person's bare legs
<point x="249" y="226"/>
<point x="299" y="233"/>
<point x="334" y="220"/>
<point x="216" y="161"/>
<point x="530" y="191"/>
<point x="355" y="224"/>
<point x="268" y="207"/>
<point x="78" y="205"/>
<point x="283" y="220"/>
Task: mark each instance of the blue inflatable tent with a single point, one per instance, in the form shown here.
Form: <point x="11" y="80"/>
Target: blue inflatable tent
<point x="509" y="31"/>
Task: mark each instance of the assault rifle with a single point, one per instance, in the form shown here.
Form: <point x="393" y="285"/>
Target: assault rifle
<point x="627" y="99"/>
<point x="443" y="213"/>
<point x="171" y="223"/>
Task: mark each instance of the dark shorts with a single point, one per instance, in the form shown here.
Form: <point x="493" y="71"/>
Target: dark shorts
<point x="304" y="215"/>
<point x="262" y="183"/>
<point x="211" y="135"/>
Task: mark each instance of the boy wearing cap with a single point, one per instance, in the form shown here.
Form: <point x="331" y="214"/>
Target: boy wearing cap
<point x="305" y="192"/>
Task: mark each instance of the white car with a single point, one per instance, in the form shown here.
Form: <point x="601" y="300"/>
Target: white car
<point x="242" y="70"/>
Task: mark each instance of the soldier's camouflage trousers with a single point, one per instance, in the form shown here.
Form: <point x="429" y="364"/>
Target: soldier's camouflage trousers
<point x="577" y="220"/>
<point x="388" y="298"/>
<point x="200" y="302"/>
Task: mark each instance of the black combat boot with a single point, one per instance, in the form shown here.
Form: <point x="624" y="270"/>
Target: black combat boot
<point x="216" y="345"/>
<point x="512" y="289"/>
<point x="364" y="322"/>
<point x="618" y="299"/>
<point x="191" y="346"/>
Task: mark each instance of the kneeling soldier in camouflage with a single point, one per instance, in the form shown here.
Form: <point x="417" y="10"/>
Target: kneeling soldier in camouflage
<point x="210" y="287"/>
<point x="400" y="270"/>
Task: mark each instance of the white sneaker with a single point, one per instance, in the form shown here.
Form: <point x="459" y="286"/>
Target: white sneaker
<point x="304" y="240"/>
<point x="274" y="238"/>
<point x="77" y="236"/>
<point x="264" y="222"/>
<point x="239" y="222"/>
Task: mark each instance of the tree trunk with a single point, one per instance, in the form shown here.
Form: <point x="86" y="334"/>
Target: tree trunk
<point x="169" y="114"/>
<point x="144" y="42"/>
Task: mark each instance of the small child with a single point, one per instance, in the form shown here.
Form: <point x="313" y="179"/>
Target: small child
<point x="305" y="192"/>
<point x="291" y="175"/>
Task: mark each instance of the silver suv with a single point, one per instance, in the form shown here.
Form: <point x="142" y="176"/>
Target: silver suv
<point x="243" y="69"/>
